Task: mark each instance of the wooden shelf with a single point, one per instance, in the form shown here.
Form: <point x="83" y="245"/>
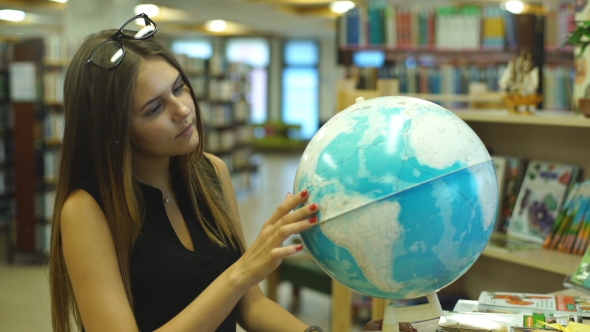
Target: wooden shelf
<point x="454" y="97"/>
<point x="547" y="118"/>
<point x="542" y="259"/>
<point x="56" y="62"/>
<point x="52" y="141"/>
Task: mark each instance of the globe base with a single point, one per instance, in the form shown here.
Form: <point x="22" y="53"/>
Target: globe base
<point x="415" y="313"/>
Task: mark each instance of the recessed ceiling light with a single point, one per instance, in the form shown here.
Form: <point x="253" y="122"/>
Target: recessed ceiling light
<point x="60" y="1"/>
<point x="513" y="6"/>
<point x="340" y="7"/>
<point x="12" y="15"/>
<point x="216" y="25"/>
<point x="148" y="9"/>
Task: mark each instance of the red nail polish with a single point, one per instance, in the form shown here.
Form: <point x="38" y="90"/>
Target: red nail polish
<point x="313" y="207"/>
<point x="299" y="247"/>
<point x="304" y="193"/>
<point x="313" y="220"/>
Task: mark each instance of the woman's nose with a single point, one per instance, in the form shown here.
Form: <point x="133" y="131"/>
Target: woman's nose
<point x="181" y="111"/>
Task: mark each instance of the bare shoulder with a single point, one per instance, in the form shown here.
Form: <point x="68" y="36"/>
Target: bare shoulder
<point x="80" y="204"/>
<point x="93" y="268"/>
<point x="81" y="216"/>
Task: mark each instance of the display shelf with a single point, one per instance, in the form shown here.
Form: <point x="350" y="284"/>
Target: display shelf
<point x="542" y="259"/>
<point x="58" y="63"/>
<point x="464" y="55"/>
<point x="547" y="118"/>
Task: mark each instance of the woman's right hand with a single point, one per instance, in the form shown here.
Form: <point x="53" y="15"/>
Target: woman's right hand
<point x="267" y="253"/>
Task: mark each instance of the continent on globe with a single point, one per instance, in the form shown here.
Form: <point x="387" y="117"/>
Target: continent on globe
<point x="407" y="195"/>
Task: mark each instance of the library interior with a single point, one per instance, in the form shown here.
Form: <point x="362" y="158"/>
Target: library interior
<point x="444" y="142"/>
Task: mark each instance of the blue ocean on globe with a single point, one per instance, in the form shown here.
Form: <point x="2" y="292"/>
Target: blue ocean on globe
<point x="407" y="195"/>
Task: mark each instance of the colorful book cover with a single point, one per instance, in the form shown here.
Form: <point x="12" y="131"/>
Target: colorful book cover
<point x="527" y="303"/>
<point x="582" y="274"/>
<point x="563" y="220"/>
<point x="580" y="207"/>
<point x="583" y="235"/>
<point x="540" y="198"/>
<point x="515" y="168"/>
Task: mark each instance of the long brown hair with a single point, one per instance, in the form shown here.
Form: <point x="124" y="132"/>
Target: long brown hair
<point x="96" y="119"/>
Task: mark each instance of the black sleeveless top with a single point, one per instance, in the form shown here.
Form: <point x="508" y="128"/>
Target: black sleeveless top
<point x="165" y="275"/>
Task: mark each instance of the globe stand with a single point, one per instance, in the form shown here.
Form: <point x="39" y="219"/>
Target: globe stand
<point x="415" y="313"/>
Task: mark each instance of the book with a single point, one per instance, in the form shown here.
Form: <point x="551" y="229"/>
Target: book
<point x="563" y="219"/>
<point x="581" y="205"/>
<point x="515" y="168"/>
<point x="570" y="284"/>
<point x="527" y="303"/>
<point x="477" y="321"/>
<point x="540" y="199"/>
<point x="581" y="276"/>
<point x="524" y="320"/>
<point x="500" y="168"/>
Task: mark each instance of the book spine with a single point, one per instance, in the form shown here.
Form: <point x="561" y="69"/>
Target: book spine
<point x="568" y="239"/>
<point x="558" y="226"/>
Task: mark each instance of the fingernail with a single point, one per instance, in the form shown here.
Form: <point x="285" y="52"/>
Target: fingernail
<point x="313" y="207"/>
<point x="313" y="220"/>
<point x="304" y="193"/>
<point x="299" y="247"/>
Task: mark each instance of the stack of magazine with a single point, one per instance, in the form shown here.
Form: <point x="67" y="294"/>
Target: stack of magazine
<point x="503" y="311"/>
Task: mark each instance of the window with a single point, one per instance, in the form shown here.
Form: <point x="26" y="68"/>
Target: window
<point x="368" y="59"/>
<point x="300" y="86"/>
<point x="255" y="52"/>
<point x="199" y="48"/>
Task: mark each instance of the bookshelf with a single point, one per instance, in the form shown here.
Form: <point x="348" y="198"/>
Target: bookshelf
<point x="441" y="49"/>
<point x="27" y="138"/>
<point x="222" y="89"/>
<point x="7" y="199"/>
<point x="38" y="127"/>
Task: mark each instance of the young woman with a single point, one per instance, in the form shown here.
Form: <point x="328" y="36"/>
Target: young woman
<point x="146" y="232"/>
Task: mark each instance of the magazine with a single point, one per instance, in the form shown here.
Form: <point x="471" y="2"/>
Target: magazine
<point x="539" y="201"/>
<point x="527" y="303"/>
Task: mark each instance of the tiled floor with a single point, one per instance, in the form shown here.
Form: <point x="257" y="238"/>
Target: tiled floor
<point x="24" y="291"/>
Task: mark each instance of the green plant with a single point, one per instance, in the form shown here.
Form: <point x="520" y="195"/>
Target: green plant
<point x="579" y="37"/>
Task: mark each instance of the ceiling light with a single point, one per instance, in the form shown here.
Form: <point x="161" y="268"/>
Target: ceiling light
<point x="12" y="15"/>
<point x="60" y="1"/>
<point x="216" y="25"/>
<point x="513" y="6"/>
<point x="149" y="10"/>
<point x="340" y="7"/>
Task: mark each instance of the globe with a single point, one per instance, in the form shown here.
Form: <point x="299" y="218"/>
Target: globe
<point x="407" y="197"/>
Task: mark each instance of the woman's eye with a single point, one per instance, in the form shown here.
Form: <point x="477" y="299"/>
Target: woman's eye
<point x="154" y="110"/>
<point x="178" y="89"/>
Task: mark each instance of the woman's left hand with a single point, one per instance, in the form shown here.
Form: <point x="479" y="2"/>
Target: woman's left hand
<point x="376" y="325"/>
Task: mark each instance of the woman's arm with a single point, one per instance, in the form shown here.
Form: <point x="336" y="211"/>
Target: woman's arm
<point x="255" y="311"/>
<point x="92" y="266"/>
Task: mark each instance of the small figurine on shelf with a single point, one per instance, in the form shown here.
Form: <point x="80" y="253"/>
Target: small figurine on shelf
<point x="519" y="83"/>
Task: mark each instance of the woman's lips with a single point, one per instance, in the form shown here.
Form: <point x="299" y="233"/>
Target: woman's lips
<point x="186" y="131"/>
